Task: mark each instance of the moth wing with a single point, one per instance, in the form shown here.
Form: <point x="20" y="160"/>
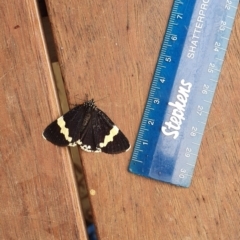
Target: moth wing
<point x="65" y="131"/>
<point x="101" y="135"/>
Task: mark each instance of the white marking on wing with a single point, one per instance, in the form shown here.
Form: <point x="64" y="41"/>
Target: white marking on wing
<point x="43" y="136"/>
<point x="128" y="148"/>
<point x="79" y="142"/>
<point x="109" y="138"/>
<point x="72" y="144"/>
<point x="87" y="148"/>
<point x="65" y="131"/>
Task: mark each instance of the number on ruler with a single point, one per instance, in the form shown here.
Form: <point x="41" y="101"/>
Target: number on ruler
<point x="228" y="5"/>
<point x="217" y="46"/>
<point x="174" y="37"/>
<point x="211" y="67"/>
<point x="205" y="89"/>
<point x="188" y="152"/>
<point x="199" y="110"/>
<point x="168" y="59"/>
<point x="193" y="132"/>
<point x="222" y="25"/>
<point x="162" y="79"/>
<point x="183" y="173"/>
<point x="151" y="122"/>
<point x="179" y="16"/>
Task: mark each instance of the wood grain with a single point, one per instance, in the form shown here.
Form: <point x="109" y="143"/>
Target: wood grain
<point x="38" y="197"/>
<point x="108" y="50"/>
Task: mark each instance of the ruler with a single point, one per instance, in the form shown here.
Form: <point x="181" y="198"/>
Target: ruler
<point x="182" y="90"/>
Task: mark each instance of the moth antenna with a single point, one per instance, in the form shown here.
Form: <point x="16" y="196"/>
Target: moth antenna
<point x="78" y="99"/>
<point x="100" y="99"/>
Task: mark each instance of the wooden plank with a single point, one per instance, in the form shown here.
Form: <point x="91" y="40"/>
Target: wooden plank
<point x="108" y="50"/>
<point x="37" y="192"/>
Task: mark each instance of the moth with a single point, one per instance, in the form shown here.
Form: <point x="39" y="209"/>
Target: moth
<point x="90" y="128"/>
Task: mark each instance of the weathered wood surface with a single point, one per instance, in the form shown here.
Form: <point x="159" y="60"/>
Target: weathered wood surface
<point x="38" y="196"/>
<point x="108" y="50"/>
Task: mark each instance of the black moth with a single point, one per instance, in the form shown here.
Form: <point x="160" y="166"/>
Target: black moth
<point x="90" y="128"/>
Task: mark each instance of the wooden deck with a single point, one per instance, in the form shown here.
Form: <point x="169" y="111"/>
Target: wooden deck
<point x="107" y="50"/>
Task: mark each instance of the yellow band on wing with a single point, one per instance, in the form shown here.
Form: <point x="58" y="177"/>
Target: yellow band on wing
<point x="65" y="131"/>
<point x="109" y="138"/>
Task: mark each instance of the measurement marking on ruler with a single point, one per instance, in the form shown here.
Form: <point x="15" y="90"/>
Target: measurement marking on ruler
<point x="207" y="101"/>
<point x="202" y="122"/>
<point x="168" y="34"/>
<point x="136" y="149"/>
<point x="137" y="161"/>
<point x="147" y="112"/>
<point x="196" y="143"/>
<point x="190" y="164"/>
<point x="210" y="90"/>
<point x="219" y="59"/>
<point x="199" y="133"/>
<point x="222" y="48"/>
<point x="148" y="104"/>
<point x="225" y="38"/>
<point x="137" y="146"/>
<point x="213" y="80"/>
<point x="171" y="21"/>
<point x="193" y="154"/>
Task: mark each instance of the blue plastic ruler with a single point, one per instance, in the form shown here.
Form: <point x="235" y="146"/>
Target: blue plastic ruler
<point x="182" y="90"/>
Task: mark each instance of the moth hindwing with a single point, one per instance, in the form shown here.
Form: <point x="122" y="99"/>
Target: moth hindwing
<point x="90" y="128"/>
